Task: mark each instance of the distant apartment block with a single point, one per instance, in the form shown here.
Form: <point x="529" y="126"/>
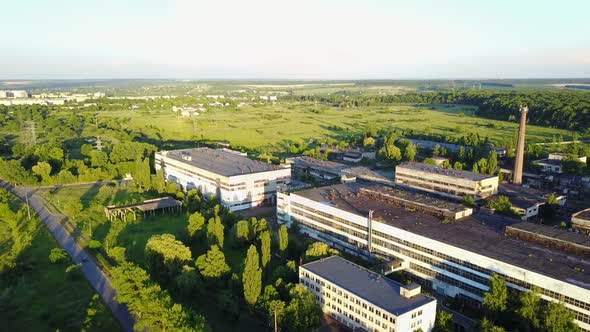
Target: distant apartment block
<point x="455" y="258"/>
<point x="364" y="300"/>
<point x="446" y="182"/>
<point x="238" y="182"/>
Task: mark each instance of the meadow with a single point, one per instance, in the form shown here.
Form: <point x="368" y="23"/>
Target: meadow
<point x="37" y="295"/>
<point x="267" y="125"/>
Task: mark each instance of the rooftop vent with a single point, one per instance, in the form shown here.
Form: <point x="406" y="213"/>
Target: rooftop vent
<point x="186" y="156"/>
<point x="410" y="290"/>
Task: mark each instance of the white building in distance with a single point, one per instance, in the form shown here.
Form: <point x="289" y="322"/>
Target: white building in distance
<point x="238" y="182"/>
<point x="362" y="299"/>
<point x="446" y="182"/>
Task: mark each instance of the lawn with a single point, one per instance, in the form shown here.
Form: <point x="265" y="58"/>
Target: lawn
<point x="270" y="125"/>
<point x="36" y="295"/>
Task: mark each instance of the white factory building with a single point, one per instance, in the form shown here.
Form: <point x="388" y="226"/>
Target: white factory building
<point x="237" y="181"/>
<point x="455" y="258"/>
<point x="446" y="182"/>
<point x="364" y="300"/>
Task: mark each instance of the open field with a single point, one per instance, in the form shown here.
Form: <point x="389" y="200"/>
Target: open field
<point x="269" y="125"/>
<point x="36" y="295"/>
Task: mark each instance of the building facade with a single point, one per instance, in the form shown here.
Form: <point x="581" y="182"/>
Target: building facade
<point x="446" y="182"/>
<point x="238" y="182"/>
<point x="456" y="259"/>
<point x="362" y="299"/>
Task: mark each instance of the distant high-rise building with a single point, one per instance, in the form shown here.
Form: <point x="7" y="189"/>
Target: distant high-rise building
<point x="519" y="161"/>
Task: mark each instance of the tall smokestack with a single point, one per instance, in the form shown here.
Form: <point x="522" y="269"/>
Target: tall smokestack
<point x="518" y="163"/>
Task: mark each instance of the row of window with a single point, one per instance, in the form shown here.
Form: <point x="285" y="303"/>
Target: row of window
<point x="444" y="184"/>
<point x="330" y="217"/>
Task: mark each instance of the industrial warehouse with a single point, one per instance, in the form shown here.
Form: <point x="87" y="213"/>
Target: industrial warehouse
<point x="452" y="257"/>
<point x="238" y="182"/>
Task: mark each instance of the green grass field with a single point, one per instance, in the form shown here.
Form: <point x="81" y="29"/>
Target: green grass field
<point x="36" y="295"/>
<point x="269" y="125"/>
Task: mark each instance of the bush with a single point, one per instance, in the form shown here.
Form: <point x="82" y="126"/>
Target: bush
<point x="94" y="244"/>
<point x="58" y="255"/>
<point x="74" y="272"/>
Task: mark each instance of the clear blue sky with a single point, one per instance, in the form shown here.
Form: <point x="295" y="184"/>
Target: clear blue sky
<point x="294" y="39"/>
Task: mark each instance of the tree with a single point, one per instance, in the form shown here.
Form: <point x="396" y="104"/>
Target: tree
<point x="119" y="254"/>
<point x="493" y="162"/>
<point x="85" y="149"/>
<point x="496" y="299"/>
<point x="141" y="174"/>
<point x="502" y="205"/>
<point x="196" y="223"/>
<point x="488" y="326"/>
<point x="389" y="151"/>
<point x="243" y="231"/>
<point x="98" y="158"/>
<point x="215" y="233"/>
<point x="368" y="142"/>
<point x="74" y="272"/>
<point x="72" y="208"/>
<point x="530" y="307"/>
<point x="559" y="319"/>
<point x="410" y="151"/>
<point x="212" y="265"/>
<point x="165" y="255"/>
<point x="252" y="277"/>
<point x="319" y="249"/>
<point x="468" y="200"/>
<point x="437" y="150"/>
<point x="303" y="312"/>
<point x="265" y="240"/>
<point x="58" y="255"/>
<point x="458" y="165"/>
<point x="283" y="238"/>
<point x="43" y="169"/>
<point x="94" y="244"/>
<point x="159" y="181"/>
<point x="444" y="322"/>
<point x="188" y="281"/>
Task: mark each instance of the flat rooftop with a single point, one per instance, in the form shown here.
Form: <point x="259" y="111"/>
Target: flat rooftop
<point x="480" y="234"/>
<point x="444" y="171"/>
<point x="554" y="232"/>
<point x="584" y="214"/>
<point x="219" y="161"/>
<point x="367" y="285"/>
<point x="313" y="162"/>
<point x="414" y="196"/>
<point x="547" y="161"/>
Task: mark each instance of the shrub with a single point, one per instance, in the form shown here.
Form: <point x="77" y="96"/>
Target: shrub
<point x="94" y="244"/>
<point x="74" y="272"/>
<point x="58" y="255"/>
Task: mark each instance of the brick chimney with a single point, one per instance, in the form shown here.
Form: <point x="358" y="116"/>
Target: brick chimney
<point x="519" y="161"/>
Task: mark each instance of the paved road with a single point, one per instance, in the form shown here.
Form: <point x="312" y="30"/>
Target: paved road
<point x="92" y="272"/>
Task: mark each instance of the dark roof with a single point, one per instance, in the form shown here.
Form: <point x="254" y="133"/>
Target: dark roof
<point x="547" y="161"/>
<point x="554" y="232"/>
<point x="306" y="161"/>
<point x="480" y="234"/>
<point x="367" y="285"/>
<point x="220" y="162"/>
<point x="584" y="214"/>
<point x="445" y="171"/>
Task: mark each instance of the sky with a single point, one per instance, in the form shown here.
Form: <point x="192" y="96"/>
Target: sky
<point x="321" y="39"/>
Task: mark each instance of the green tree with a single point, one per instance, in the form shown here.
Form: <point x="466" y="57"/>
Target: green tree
<point x="437" y="151"/>
<point x="496" y="299"/>
<point x="43" y="170"/>
<point x="501" y="204"/>
<point x="368" y="142"/>
<point x="196" y="223"/>
<point x="444" y="322"/>
<point x="559" y="319"/>
<point x="212" y="265"/>
<point x="318" y="250"/>
<point x="487" y="325"/>
<point x="530" y="307"/>
<point x="493" y="162"/>
<point x="85" y="149"/>
<point x="141" y="174"/>
<point x="188" y="281"/>
<point x="94" y="244"/>
<point x="159" y="181"/>
<point x="243" y="231"/>
<point x="98" y="158"/>
<point x="119" y="254"/>
<point x="252" y="277"/>
<point x="165" y="255"/>
<point x="283" y="238"/>
<point x="58" y="255"/>
<point x="458" y="165"/>
<point x="410" y="151"/>
<point x="265" y="244"/>
<point x="389" y="151"/>
<point x="303" y="312"/>
<point x="215" y="231"/>
<point x="429" y="161"/>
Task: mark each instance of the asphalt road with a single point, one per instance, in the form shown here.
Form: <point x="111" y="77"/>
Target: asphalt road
<point x="92" y="272"/>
